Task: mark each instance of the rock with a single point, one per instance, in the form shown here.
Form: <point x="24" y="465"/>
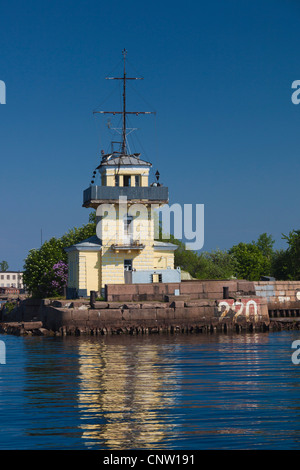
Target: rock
<point x="131" y="305"/>
<point x="100" y="304"/>
<point x="34" y="325"/>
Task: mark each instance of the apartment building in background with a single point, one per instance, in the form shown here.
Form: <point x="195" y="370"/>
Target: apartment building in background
<point x="11" y="279"/>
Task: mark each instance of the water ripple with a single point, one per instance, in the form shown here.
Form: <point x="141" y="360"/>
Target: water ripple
<point x="152" y="392"/>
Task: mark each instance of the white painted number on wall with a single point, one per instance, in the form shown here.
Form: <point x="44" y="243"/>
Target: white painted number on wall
<point x="239" y="308"/>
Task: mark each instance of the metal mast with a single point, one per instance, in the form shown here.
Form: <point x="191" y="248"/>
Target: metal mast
<point x="124" y="112"/>
<point x="124" y="52"/>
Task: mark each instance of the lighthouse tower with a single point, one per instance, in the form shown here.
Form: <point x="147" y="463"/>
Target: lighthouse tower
<point x="124" y="249"/>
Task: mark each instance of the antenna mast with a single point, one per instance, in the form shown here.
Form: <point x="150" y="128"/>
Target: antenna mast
<point x="124" y="112"/>
<point x="124" y="52"/>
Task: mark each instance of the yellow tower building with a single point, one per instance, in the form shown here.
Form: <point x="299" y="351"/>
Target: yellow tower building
<point x="124" y="249"/>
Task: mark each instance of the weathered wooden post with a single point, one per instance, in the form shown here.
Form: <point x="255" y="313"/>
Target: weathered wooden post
<point x="92" y="298"/>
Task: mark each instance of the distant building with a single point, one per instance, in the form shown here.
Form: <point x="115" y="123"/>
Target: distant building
<point x="11" y="279"/>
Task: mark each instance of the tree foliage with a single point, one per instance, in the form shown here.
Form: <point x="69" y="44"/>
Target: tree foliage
<point x="217" y="264"/>
<point x="265" y="243"/>
<point x="245" y="260"/>
<point x="38" y="266"/>
<point x="3" y="266"/>
<point x="250" y="261"/>
<point x="44" y="270"/>
<point x="292" y="255"/>
<point x="280" y="265"/>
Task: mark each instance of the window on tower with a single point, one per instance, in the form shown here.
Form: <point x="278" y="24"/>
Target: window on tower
<point x="128" y="230"/>
<point x="127" y="180"/>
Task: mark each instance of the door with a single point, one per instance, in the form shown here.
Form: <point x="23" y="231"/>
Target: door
<point x="128" y="271"/>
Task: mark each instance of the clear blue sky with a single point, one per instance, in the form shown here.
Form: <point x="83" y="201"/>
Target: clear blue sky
<point x="219" y="76"/>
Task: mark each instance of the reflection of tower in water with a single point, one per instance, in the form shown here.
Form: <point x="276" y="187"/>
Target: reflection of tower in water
<point x="123" y="393"/>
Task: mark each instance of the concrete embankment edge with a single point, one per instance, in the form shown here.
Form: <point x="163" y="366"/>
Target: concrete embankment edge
<point x="63" y="318"/>
<point x="192" y="306"/>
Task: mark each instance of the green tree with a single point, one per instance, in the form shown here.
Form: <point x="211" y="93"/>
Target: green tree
<point x="280" y="265"/>
<point x="216" y="264"/>
<point x="265" y="243"/>
<point x="3" y="266"/>
<point x="187" y="260"/>
<point x="38" y="266"/>
<point x="292" y="255"/>
<point x="250" y="261"/>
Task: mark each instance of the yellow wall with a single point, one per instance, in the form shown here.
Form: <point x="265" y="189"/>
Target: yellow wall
<point x="144" y="180"/>
<point x="163" y="259"/>
<point x="91" y="270"/>
<point x="112" y="233"/>
<point x="110" y="180"/>
<point x="84" y="270"/>
<point x="113" y="263"/>
<point x="108" y="176"/>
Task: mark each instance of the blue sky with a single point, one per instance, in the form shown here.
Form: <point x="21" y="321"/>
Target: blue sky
<point x="217" y="73"/>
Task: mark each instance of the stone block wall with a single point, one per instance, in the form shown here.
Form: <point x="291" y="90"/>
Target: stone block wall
<point x="280" y="294"/>
<point x="196" y="315"/>
<point x="139" y="308"/>
<point x="192" y="289"/>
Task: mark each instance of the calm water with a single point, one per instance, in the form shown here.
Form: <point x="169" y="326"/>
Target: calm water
<point x="155" y="392"/>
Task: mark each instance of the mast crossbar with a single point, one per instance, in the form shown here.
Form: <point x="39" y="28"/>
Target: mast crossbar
<point x="124" y="112"/>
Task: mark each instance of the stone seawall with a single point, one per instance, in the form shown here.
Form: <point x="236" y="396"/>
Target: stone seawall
<point x="181" y="315"/>
<point x="192" y="289"/>
<point x="190" y="306"/>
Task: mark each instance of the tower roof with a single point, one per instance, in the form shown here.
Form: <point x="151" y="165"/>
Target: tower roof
<point x="90" y="244"/>
<point x="120" y="160"/>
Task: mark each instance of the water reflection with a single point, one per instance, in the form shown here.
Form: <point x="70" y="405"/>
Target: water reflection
<point x="152" y="392"/>
<point x="123" y="396"/>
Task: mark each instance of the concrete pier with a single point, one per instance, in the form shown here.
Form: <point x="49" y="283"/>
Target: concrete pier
<point x="190" y="307"/>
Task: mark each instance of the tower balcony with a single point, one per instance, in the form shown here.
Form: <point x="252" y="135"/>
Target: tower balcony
<point x="95" y="195"/>
<point x="128" y="246"/>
